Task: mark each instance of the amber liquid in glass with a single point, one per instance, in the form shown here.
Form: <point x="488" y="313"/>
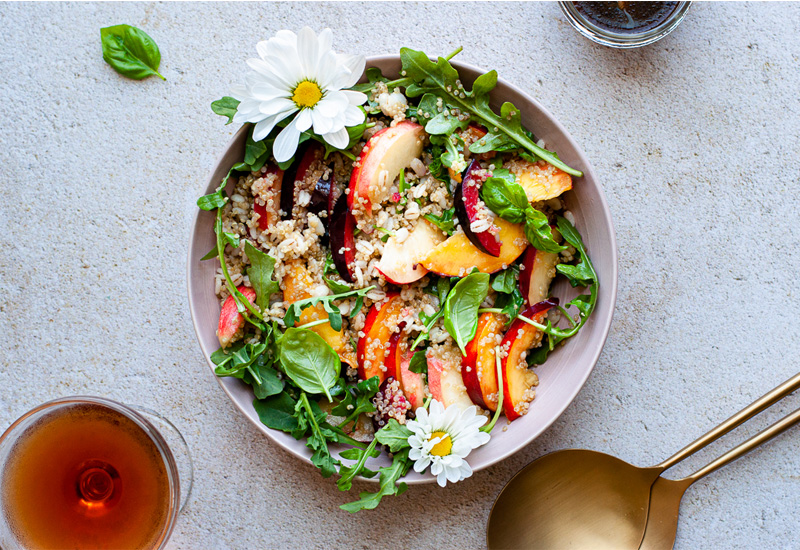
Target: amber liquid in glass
<point x="86" y="476"/>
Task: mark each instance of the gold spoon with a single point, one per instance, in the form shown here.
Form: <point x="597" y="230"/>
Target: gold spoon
<point x="666" y="494"/>
<point x="581" y="499"/>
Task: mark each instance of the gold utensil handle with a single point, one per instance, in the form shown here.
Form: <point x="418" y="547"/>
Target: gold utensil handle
<point x="748" y="412"/>
<point x="761" y="437"/>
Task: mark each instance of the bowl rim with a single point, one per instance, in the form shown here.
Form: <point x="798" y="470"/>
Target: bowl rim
<point x="604" y="323"/>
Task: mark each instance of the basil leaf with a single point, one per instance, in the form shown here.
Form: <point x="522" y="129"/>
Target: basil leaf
<point x="130" y="51"/>
<point x="511" y="304"/>
<point x="461" y="308"/>
<point x="269" y="384"/>
<point x="277" y="412"/>
<point x="394" y="435"/>
<point x="506" y="199"/>
<point x="419" y="363"/>
<point x="538" y="233"/>
<point x="505" y="281"/>
<point x="445" y="221"/>
<point x="260" y="273"/>
<point x="225" y="107"/>
<point x="309" y="361"/>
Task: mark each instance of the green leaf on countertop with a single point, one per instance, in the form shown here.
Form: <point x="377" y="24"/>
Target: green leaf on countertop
<point x="226" y="107"/>
<point x="130" y="51"/>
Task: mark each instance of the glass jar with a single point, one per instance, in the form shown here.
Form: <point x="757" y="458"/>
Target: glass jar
<point x="588" y="19"/>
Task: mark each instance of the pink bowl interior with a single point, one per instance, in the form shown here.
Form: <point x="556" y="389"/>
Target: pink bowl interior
<point x="565" y="371"/>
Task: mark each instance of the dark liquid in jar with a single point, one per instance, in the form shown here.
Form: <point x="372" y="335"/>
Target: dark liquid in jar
<point x="626" y="17"/>
<point x="86" y="476"/>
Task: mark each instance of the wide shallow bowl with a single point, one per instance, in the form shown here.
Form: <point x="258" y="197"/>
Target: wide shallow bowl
<point x="567" y="369"/>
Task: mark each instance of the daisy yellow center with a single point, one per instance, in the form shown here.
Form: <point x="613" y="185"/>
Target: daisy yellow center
<point x="444" y="446"/>
<point x="306" y="94"/>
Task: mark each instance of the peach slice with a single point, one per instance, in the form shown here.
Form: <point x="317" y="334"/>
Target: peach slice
<point x="478" y="368"/>
<point x="539" y="269"/>
<point x="445" y="384"/>
<point x="518" y="379"/>
<point x="296" y="285"/>
<point x="456" y="256"/>
<point x="411" y="382"/>
<point x="540" y="180"/>
<point x="231" y="321"/>
<point x="400" y="261"/>
<point x="381" y="319"/>
<point x="268" y="217"/>
<point x="385" y="154"/>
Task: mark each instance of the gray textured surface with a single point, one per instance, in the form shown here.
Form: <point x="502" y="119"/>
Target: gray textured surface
<point x="694" y="139"/>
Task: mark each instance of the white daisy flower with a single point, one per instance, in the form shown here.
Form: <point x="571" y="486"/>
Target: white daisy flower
<point x="443" y="438"/>
<point x="300" y="73"/>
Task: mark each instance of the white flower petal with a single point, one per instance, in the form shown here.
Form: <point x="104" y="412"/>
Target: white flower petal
<point x="307" y="50"/>
<point x="353" y="116"/>
<point x="264" y="127"/>
<point x="355" y="64"/>
<point x="303" y="120"/>
<point x="322" y="124"/>
<point x="355" y="98"/>
<point x="327" y="70"/>
<point x="276" y="105"/>
<point x="286" y="142"/>
<point x="441" y="479"/>
<point x="338" y="139"/>
<point x="270" y="74"/>
<point x="264" y="91"/>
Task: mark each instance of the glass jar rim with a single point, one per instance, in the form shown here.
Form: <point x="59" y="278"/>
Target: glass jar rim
<point x="623" y="40"/>
<point x="135" y="416"/>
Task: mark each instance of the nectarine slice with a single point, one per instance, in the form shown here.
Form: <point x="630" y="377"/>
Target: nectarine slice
<point x="445" y="384"/>
<point x="456" y="256"/>
<point x="539" y="269"/>
<point x="400" y="261"/>
<point x="231" y="321"/>
<point x="372" y="347"/>
<point x="478" y="367"/>
<point x="385" y="154"/>
<point x="518" y="379"/>
<point x="540" y="180"/>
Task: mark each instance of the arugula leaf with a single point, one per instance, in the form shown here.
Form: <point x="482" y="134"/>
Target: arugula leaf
<point x="320" y="434"/>
<point x="581" y="274"/>
<point x="260" y="272"/>
<point x="213" y="253"/>
<point x="226" y="107"/>
<point x="445" y="221"/>
<point x="277" y="412"/>
<point x="394" y="435"/>
<point x="218" y="198"/>
<point x="441" y="121"/>
<point x="388" y="484"/>
<point x="348" y="473"/>
<point x="461" y="308"/>
<point x="419" y="362"/>
<point x="442" y="80"/>
<point x="309" y="361"/>
<point x="442" y="289"/>
<point x="130" y="51"/>
<point x="357" y="400"/>
<point x="293" y="312"/>
<point x="492" y="142"/>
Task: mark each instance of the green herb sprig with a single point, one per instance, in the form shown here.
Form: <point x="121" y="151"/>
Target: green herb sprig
<point x="130" y="51"/>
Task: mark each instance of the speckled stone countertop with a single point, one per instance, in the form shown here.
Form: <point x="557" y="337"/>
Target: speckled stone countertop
<point x="695" y="140"/>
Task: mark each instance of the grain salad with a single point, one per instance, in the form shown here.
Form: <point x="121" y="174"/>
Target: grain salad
<point x="386" y="253"/>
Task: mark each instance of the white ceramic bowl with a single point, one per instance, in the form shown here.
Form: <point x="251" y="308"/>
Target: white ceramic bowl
<point x="567" y="369"/>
